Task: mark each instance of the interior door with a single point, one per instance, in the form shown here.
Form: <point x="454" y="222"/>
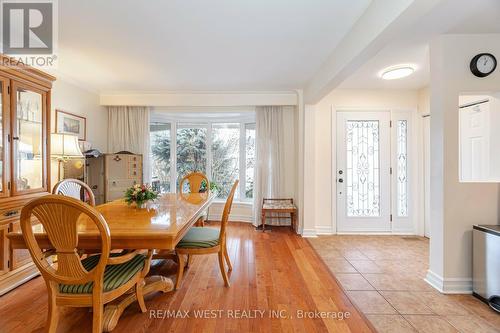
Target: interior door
<point x="363" y="172"/>
<point x="474" y="142"/>
<point x="427" y="176"/>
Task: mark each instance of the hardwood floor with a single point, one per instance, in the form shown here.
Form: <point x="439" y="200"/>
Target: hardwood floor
<point x="275" y="272"/>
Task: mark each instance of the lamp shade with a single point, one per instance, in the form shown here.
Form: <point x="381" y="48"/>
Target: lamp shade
<point x="64" y="146"/>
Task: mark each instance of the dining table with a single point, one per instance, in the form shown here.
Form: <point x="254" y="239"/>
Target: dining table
<point x="159" y="225"/>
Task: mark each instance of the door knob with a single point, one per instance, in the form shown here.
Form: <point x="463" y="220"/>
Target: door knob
<point x="341" y="180"/>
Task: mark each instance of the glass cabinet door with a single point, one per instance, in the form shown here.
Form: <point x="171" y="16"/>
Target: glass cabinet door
<point x="29" y="135"/>
<point x="4" y="129"/>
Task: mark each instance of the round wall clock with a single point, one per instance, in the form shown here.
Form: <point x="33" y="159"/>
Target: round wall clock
<point x="483" y="64"/>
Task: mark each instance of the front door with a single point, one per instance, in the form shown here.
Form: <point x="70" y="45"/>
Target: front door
<point x="363" y="172"/>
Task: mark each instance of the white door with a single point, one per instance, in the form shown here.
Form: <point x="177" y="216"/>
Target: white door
<point x="474" y="142"/>
<point x="363" y="172"/>
<point x="427" y="175"/>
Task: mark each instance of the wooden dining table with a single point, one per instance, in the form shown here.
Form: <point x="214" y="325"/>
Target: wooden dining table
<point x="160" y="225"/>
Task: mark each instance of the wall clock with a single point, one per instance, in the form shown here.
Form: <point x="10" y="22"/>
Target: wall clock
<point x="483" y="64"/>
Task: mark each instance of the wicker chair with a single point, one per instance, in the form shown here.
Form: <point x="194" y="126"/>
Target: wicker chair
<point x="76" y="189"/>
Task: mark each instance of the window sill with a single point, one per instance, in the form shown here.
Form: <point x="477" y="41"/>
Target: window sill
<point x="240" y="203"/>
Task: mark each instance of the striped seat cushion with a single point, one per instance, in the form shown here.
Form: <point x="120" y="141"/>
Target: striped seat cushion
<point x="200" y="238"/>
<point x="114" y="275"/>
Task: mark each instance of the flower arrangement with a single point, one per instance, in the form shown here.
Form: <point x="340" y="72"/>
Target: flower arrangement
<point x="140" y="194"/>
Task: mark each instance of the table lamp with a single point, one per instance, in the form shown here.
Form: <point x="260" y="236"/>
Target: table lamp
<point x="64" y="147"/>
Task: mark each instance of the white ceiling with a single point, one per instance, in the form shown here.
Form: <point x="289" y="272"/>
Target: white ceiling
<point x="127" y="45"/>
<point x="412" y="46"/>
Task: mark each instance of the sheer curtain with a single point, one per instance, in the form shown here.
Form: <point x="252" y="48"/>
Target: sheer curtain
<point x="129" y="130"/>
<point x="270" y="153"/>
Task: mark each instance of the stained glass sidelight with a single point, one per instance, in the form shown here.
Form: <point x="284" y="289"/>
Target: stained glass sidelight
<point x="363" y="168"/>
<point x="402" y="168"/>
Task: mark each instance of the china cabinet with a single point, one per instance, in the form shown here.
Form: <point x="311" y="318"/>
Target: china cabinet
<point x="24" y="159"/>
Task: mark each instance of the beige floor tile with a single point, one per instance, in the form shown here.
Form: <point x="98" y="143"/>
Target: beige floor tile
<point x="430" y="324"/>
<point x="402" y="262"/>
<point x="471" y="324"/>
<point x="340" y="266"/>
<point x="406" y="303"/>
<point x="353" y="281"/>
<point x="386" y="282"/>
<point x="390" y="324"/>
<point x="354" y="255"/>
<point x="479" y="308"/>
<point x="441" y="304"/>
<point x="371" y="302"/>
<point x="365" y="266"/>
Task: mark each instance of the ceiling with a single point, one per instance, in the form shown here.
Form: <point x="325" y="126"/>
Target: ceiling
<point x="127" y="45"/>
<point x="412" y="45"/>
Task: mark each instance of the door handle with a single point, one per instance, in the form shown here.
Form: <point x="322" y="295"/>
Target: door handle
<point x="341" y="180"/>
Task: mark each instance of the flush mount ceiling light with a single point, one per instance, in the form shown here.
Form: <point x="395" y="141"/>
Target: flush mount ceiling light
<point x="393" y="73"/>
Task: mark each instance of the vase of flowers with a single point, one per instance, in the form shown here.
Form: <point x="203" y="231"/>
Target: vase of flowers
<point x="140" y="194"/>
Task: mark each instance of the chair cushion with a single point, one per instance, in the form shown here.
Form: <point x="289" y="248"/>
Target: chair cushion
<point x="278" y="204"/>
<point x="198" y="237"/>
<point x="114" y="275"/>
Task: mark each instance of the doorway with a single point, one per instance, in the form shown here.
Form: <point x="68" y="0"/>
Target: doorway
<point x="363" y="171"/>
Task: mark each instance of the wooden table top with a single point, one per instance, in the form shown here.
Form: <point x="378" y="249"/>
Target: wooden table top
<point x="160" y="225"/>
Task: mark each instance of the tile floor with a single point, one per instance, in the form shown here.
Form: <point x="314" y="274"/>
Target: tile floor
<point x="383" y="276"/>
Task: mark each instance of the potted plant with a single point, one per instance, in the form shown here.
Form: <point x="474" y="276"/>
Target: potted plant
<point x="214" y="187"/>
<point x="140" y="194"/>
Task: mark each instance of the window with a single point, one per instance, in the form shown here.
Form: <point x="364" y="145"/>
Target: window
<point x="249" y="158"/>
<point x="363" y="188"/>
<point x="191" y="149"/>
<point x="159" y="136"/>
<point x="224" y="150"/>
<point x="402" y="167"/>
<point x="225" y="156"/>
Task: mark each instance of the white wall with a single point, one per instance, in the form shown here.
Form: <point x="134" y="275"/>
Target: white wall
<point x="456" y="206"/>
<point x="319" y="205"/>
<point x="73" y="99"/>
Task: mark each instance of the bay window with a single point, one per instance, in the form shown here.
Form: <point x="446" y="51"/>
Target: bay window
<point x="222" y="149"/>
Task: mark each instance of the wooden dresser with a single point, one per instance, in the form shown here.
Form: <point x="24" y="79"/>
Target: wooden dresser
<point x="110" y="175"/>
<point x="24" y="159"/>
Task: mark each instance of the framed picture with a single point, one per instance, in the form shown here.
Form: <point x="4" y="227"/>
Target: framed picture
<point x="68" y="123"/>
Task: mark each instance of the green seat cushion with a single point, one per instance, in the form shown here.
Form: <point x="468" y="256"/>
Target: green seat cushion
<point x="114" y="275"/>
<point x="198" y="237"/>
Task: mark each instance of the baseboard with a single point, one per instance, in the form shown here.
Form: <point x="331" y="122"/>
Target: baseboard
<point x="232" y="218"/>
<point x="325" y="230"/>
<point x="309" y="233"/>
<point x="17" y="277"/>
<point x="375" y="233"/>
<point x="449" y="285"/>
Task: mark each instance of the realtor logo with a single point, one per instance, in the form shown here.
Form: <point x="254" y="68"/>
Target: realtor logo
<point x="28" y="31"/>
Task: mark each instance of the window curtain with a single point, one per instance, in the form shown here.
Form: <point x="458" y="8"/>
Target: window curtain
<point x="270" y="154"/>
<point x="129" y="130"/>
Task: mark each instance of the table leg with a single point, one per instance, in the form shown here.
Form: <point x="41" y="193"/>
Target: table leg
<point x="114" y="309"/>
<point x="263" y="221"/>
<point x="294" y="221"/>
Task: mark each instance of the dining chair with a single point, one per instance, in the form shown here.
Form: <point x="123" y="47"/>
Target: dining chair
<point x="76" y="189"/>
<point x="195" y="182"/>
<point x="199" y="241"/>
<point x="91" y="282"/>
